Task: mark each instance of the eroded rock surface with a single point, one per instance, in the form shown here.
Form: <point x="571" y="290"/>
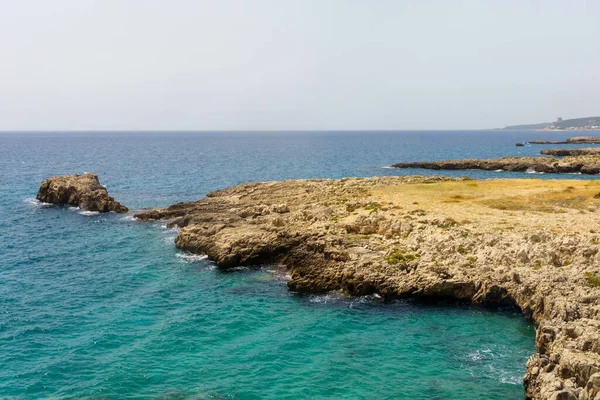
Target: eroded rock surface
<point x="83" y="191"/>
<point x="528" y="243"/>
<point x="584" y="164"/>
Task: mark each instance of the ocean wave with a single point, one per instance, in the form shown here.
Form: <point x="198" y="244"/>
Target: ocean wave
<point x="128" y="218"/>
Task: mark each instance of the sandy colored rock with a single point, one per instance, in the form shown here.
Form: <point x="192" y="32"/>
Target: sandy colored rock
<point x="83" y="191"/>
<point x="531" y="244"/>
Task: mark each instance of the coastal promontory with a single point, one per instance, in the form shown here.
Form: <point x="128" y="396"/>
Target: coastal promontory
<point x="83" y="191"/>
<point x="584" y="164"/>
<point x="528" y="244"/>
<point x="588" y="151"/>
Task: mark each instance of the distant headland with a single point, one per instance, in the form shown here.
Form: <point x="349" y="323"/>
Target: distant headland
<point x="575" y="124"/>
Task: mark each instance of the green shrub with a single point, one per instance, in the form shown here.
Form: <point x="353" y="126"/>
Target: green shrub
<point x="592" y="279"/>
<point x="397" y="257"/>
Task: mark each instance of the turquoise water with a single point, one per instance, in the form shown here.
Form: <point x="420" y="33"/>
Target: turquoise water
<point x="101" y="306"/>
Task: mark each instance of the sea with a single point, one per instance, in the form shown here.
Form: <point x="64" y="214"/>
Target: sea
<point x="100" y="306"/>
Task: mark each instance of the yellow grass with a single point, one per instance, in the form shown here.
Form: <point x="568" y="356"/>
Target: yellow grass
<point x="507" y="203"/>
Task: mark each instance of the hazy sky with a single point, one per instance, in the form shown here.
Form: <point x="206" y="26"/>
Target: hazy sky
<point x="296" y="64"/>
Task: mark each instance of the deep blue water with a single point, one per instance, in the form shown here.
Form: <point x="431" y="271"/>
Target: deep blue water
<point x="101" y="306"/>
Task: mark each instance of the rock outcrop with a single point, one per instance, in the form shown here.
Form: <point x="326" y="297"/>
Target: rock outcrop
<point x="83" y="191"/>
<point x="588" y="151"/>
<point x="589" y="164"/>
<point x="572" y="140"/>
<point x="530" y="244"/>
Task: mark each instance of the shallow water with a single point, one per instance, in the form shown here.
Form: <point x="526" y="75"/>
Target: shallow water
<point x="106" y="307"/>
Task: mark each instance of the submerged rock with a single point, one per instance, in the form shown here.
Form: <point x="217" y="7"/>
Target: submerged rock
<point x="83" y="191"/>
<point x="529" y="244"/>
<point x="585" y="164"/>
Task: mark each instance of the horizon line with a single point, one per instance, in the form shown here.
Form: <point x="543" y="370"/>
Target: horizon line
<point x="235" y="130"/>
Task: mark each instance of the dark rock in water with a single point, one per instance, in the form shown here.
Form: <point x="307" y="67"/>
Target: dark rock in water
<point x="83" y="191"/>
<point x="572" y="140"/>
<point x="576" y="164"/>
<point x="588" y="151"/>
<point x="520" y="144"/>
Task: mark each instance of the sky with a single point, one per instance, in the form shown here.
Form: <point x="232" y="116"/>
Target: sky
<point x="296" y="64"/>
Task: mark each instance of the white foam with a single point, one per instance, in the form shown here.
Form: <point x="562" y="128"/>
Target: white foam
<point x="127" y="218"/>
<point x="511" y="380"/>
<point x="479" y="355"/>
<point x="33" y="202"/>
<point x="169" y="230"/>
<point x="498" y="170"/>
<point x="169" y="239"/>
<point x="89" y="213"/>
<point x="532" y="171"/>
<point x="189" y="257"/>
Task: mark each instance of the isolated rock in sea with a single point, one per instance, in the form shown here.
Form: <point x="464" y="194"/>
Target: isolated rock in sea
<point x="83" y="191"/>
<point x="520" y="144"/>
<point x="585" y="164"/>
<point x="532" y="244"/>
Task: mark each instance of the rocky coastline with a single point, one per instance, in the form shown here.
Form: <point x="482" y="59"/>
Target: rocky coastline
<point x="83" y="191"/>
<point x="529" y="244"/>
<point x="584" y="164"/>
<point x="571" y="140"/>
<point x="588" y="151"/>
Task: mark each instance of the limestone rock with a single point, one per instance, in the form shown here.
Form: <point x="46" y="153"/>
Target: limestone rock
<point x="426" y="238"/>
<point x="83" y="191"/>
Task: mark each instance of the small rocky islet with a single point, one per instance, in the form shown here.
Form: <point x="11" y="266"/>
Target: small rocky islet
<point x="428" y="238"/>
<point x="83" y="191"/>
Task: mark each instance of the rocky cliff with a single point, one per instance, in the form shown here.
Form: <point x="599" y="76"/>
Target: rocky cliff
<point x="83" y="191"/>
<point x="529" y="244"/>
